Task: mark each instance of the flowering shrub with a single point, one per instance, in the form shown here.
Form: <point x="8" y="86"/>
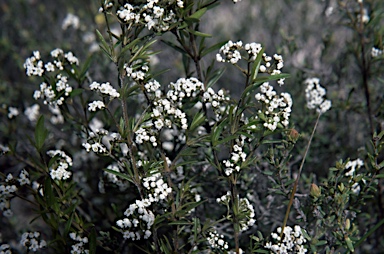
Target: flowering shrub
<point x="130" y="163"/>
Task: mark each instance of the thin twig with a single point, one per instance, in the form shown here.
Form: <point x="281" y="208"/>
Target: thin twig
<point x="298" y="178"/>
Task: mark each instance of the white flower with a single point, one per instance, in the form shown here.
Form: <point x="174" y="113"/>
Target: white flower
<point x="93" y="106"/>
<point x="71" y="20"/>
<point x="12" y="112"/>
<point x="314" y="94"/>
<point x="32" y="112"/>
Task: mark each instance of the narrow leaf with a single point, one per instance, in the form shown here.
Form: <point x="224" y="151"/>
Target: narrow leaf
<point x="40" y="133"/>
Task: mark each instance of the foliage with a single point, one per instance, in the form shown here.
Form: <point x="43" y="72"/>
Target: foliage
<point x="116" y="153"/>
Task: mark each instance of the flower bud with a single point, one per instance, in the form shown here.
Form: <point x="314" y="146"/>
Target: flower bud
<point x="347" y="224"/>
<point x="293" y="135"/>
<point x="315" y="191"/>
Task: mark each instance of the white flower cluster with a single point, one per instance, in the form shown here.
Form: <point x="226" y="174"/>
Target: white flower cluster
<point x="106" y="6"/>
<point x="353" y="166"/>
<point x="247" y="209"/>
<point x="224" y="199"/>
<point x="95" y="141"/>
<point x="231" y="52"/>
<point x="71" y="58"/>
<point x="70" y="20"/>
<point x="12" y="112"/>
<point x="138" y="221"/>
<point x="105" y="89"/>
<point x="32" y="112"/>
<point x="79" y="247"/>
<point x="143" y="135"/>
<point x="5" y="249"/>
<point x="238" y="156"/>
<point x="292" y="242"/>
<point x="215" y="99"/>
<point x="4" y="149"/>
<point x="49" y="93"/>
<point x="253" y="49"/>
<point x="167" y="111"/>
<point x="24" y="178"/>
<point x="152" y="86"/>
<point x="95" y="105"/>
<point x="57" y="54"/>
<point x="59" y="170"/>
<point x="157" y="188"/>
<point x="8" y="188"/>
<point x="155" y="15"/>
<point x="365" y="17"/>
<point x="30" y="240"/>
<point x="267" y="66"/>
<point x="57" y="117"/>
<point x="277" y="108"/>
<point x="123" y="185"/>
<point x="184" y="88"/>
<point x="217" y="241"/>
<point x="34" y="65"/>
<point x="137" y="70"/>
<point x="314" y="94"/>
<point x="6" y="192"/>
<point x="376" y="52"/>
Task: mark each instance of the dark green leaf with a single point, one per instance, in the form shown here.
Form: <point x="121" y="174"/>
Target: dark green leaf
<point x="198" y="14"/>
<point x="174" y="46"/>
<point x="76" y="91"/>
<point x="40" y="133"/>
<point x="215" y="47"/>
<point x="121" y="175"/>
<point x="197" y="33"/>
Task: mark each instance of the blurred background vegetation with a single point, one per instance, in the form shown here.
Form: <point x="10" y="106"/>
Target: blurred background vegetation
<point x="315" y="37"/>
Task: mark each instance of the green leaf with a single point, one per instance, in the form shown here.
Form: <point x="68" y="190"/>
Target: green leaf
<point x="85" y="68"/>
<point x="198" y="14"/>
<point x="215" y="47"/>
<point x="262" y="251"/>
<point x="198" y="119"/>
<point x="180" y="222"/>
<point x="381" y="165"/>
<point x="322" y="242"/>
<point x="174" y="46"/>
<point x="48" y="193"/>
<point x="256" y="66"/>
<point x="216" y="132"/>
<point x="76" y="91"/>
<point x="215" y="77"/>
<point x="121" y="175"/>
<point x="41" y="133"/>
<point x="104" y="45"/>
<point x="68" y="225"/>
<point x="349" y="244"/>
<point x="158" y="73"/>
<point x="197" y="33"/>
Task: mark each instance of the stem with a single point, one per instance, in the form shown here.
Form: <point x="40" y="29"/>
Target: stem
<point x="298" y="177"/>
<point x="196" y="57"/>
<point x="235" y="212"/>
<point x="365" y="74"/>
<point x="172" y="201"/>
